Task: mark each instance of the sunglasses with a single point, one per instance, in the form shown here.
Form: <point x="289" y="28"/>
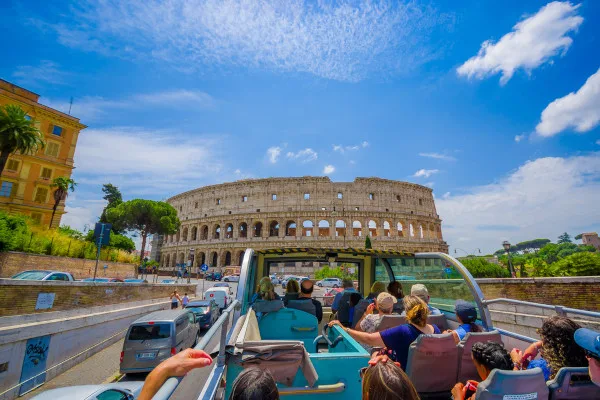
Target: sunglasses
<point x="591" y="355"/>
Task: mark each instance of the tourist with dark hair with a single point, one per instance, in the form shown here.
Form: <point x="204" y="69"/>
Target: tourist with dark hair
<point x="486" y="357"/>
<point x="589" y="341"/>
<point x="395" y="289"/>
<point x="292" y="291"/>
<point x="557" y="348"/>
<point x="398" y="339"/>
<point x="466" y="313"/>
<point x="254" y="384"/>
<point x="385" y="380"/>
<point x="306" y="289"/>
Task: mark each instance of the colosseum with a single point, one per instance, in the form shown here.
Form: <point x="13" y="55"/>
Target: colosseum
<point x="219" y="222"/>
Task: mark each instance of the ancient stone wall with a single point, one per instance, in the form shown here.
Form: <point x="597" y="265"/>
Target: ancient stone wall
<point x="220" y="222"/>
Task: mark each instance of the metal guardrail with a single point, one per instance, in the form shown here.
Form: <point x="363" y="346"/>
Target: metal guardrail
<point x="169" y="387"/>
<point x="560" y="310"/>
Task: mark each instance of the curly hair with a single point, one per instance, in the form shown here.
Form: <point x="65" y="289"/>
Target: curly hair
<point x="416" y="310"/>
<point x="558" y="344"/>
<point x="492" y="355"/>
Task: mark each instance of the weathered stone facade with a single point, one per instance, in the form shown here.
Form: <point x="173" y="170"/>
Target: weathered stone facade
<point x="221" y="221"/>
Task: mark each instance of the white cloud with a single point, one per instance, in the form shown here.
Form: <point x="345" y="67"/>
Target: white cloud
<point x="47" y="71"/>
<point x="579" y="110"/>
<point x="438" y="156"/>
<point x="328" y="169"/>
<point x="82" y="214"/>
<point x="541" y="199"/>
<point x="346" y="40"/>
<point x="364" y="144"/>
<point x="273" y="154"/>
<point x="425" y="173"/>
<point x="304" y="156"/>
<point x="342" y="149"/>
<point x="533" y="42"/>
<point x="429" y="184"/>
<point x="446" y="195"/>
<point x="518" y="138"/>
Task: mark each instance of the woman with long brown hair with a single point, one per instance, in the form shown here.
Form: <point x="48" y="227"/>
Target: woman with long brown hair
<point x="386" y="381"/>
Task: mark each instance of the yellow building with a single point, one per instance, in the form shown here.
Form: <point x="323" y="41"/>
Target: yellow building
<point x="26" y="179"/>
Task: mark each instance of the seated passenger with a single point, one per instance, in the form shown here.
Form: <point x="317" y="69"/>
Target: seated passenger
<point x="384" y="304"/>
<point x="254" y="384"/>
<point x="306" y="289"/>
<point x="395" y="289"/>
<point x="340" y="306"/>
<point x="376" y="288"/>
<point x="421" y="292"/>
<point x="264" y="292"/>
<point x="467" y="315"/>
<point x="486" y="357"/>
<point x="558" y="348"/>
<point x="397" y="340"/>
<point x="589" y="340"/>
<point x="292" y="290"/>
<point x="385" y="380"/>
<point x="353" y="301"/>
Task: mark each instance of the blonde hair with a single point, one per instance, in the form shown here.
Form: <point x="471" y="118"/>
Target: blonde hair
<point x="378" y="287"/>
<point x="292" y="286"/>
<point x="416" y="310"/>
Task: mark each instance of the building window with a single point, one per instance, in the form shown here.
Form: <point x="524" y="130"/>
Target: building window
<point x="28" y="118"/>
<point x="12" y="165"/>
<point x="40" y="195"/>
<point x="306" y="196"/>
<point x="244" y="199"/>
<point x="37" y="218"/>
<point x="273" y="196"/>
<point x="218" y="201"/>
<point x="46" y="173"/>
<point x="52" y="149"/>
<point x="398" y="198"/>
<point x="196" y="205"/>
<point x="340" y="195"/>
<point x="6" y="189"/>
<point x="180" y="208"/>
<point x="57" y="130"/>
<point x="356" y="209"/>
<point x="371" y="196"/>
<point x="420" y="202"/>
<point x="323" y="208"/>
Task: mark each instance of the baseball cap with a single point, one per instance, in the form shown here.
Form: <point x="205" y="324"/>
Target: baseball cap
<point x="420" y="291"/>
<point x="385" y="301"/>
<point x="588" y="340"/>
<point x="465" y="311"/>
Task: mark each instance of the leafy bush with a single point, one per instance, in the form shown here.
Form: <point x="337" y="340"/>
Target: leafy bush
<point x="481" y="268"/>
<point x="12" y="229"/>
<point x="328" y="272"/>
<point x="577" y="264"/>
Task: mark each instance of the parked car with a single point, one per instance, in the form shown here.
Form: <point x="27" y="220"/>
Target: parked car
<point x="102" y="280"/>
<point x="213" y="276"/>
<point x="206" y="311"/>
<point x="133" y="280"/>
<point x="221" y="296"/>
<point x="275" y="280"/>
<point x="330" y="282"/>
<point x="300" y="279"/>
<point x="44" y="275"/>
<point x="329" y="295"/>
<point x="155" y="337"/>
<point x="222" y="284"/>
<point x="120" y="391"/>
<point x="231" y="278"/>
<point x="168" y="281"/>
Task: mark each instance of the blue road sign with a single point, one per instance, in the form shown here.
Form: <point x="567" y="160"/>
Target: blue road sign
<point x="448" y="270"/>
<point x="204" y="267"/>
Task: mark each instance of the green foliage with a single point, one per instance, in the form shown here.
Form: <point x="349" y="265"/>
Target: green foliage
<point x="337" y="272"/>
<point x="68" y="231"/>
<point x="368" y="243"/>
<point x="12" y="228"/>
<point x="62" y="184"/>
<point x="527" y="246"/>
<point x="113" y="195"/>
<point x="17" y="133"/>
<point x="578" y="237"/>
<point x="481" y="268"/>
<point x="577" y="264"/>
<point x="116" y="241"/>
<point x="564" y="238"/>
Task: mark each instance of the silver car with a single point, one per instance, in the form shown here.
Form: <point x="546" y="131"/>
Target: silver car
<point x="44" y="275"/>
<point x="113" y="391"/>
<point x="157" y="336"/>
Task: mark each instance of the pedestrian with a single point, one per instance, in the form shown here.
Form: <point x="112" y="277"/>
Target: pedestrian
<point x="185" y="300"/>
<point x="175" y="299"/>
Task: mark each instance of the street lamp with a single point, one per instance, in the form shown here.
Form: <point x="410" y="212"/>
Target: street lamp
<point x="506" y="245"/>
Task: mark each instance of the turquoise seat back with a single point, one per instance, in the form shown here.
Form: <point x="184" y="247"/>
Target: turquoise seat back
<point x="289" y="324"/>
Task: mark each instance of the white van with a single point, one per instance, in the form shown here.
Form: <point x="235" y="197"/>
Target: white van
<point x="219" y="295"/>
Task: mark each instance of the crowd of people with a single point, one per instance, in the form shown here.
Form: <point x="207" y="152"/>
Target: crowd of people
<point x="564" y="343"/>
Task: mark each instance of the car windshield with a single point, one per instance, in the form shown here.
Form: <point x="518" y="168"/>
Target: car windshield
<point x="199" y="309"/>
<point x="221" y="285"/>
<point x="133" y="280"/>
<point x="32" y="275"/>
<point x="150" y="332"/>
<point x="96" y="280"/>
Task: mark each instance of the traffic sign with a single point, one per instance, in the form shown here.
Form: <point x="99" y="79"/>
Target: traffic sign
<point x="204" y="267"/>
<point x="448" y="270"/>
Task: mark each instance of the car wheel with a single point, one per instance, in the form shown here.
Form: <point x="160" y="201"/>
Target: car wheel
<point x="226" y="280"/>
<point x="319" y="284"/>
<point x="335" y="286"/>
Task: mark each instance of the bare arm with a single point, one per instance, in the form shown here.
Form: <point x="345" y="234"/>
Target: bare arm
<point x="367" y="312"/>
<point x="370" y="339"/>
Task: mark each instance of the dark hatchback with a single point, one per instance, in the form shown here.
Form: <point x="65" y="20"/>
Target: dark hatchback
<point x="207" y="312"/>
<point x="213" y="276"/>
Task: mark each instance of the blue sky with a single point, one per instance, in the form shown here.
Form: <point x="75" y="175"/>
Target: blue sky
<point x="495" y="105"/>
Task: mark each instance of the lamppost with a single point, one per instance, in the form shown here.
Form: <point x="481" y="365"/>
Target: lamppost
<point x="506" y="245"/>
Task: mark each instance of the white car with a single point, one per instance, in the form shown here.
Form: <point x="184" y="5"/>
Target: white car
<point x="231" y="278"/>
<point x="44" y="275"/>
<point x="298" y="279"/>
<point x="330" y="282"/>
<point x="121" y="390"/>
<point x="275" y="280"/>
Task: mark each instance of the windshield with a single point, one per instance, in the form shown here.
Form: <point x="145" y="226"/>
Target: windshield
<point x="150" y="332"/>
<point x="96" y="280"/>
<point x="199" y="310"/>
<point x="32" y="275"/>
<point x="221" y="285"/>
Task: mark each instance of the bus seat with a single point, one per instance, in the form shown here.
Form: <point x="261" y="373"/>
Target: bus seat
<point x="573" y="383"/>
<point x="290" y="324"/>
<point x="303" y="305"/>
<point x="466" y="367"/>
<point x="432" y="361"/>
<point x="390" y="321"/>
<point x="439" y="320"/>
<point x="500" y="385"/>
<point x="262" y="306"/>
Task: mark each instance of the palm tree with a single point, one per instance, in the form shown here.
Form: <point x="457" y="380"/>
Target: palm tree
<point x="62" y="185"/>
<point x="17" y="133"/>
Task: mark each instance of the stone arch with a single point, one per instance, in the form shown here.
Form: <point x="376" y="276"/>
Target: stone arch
<point x="184" y="236"/>
<point x="387" y="232"/>
<point x="194" y="233"/>
<point x="274" y="229"/>
<point x="372" y="228"/>
<point x="173" y="260"/>
<point x="356" y="228"/>
<point x="243" y="230"/>
<point x="229" y="231"/>
<point x="399" y="229"/>
<point x="214" y="259"/>
<point x="340" y="228"/>
<point x="324" y="228"/>
<point x="227" y="258"/>
<point x="307" y="228"/>
<point x="167" y="261"/>
<point x="201" y="257"/>
<point x="420" y="231"/>
<point x="290" y="228"/>
<point x="178" y="235"/>
<point x="257" y="229"/>
<point x="217" y="232"/>
<point x="240" y="257"/>
<point x="411" y="230"/>
<point x="204" y="233"/>
<point x="181" y="258"/>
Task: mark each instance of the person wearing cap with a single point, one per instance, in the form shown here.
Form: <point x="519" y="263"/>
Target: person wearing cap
<point x="466" y="313"/>
<point x="421" y="292"/>
<point x="265" y="291"/>
<point x="589" y="341"/>
<point x="384" y="304"/>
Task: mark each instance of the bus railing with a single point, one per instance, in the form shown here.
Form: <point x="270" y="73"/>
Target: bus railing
<point x="169" y="387"/>
<point x="559" y="310"/>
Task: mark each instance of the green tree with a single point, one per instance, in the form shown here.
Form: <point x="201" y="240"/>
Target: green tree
<point x="68" y="231"/>
<point x="12" y="229"/>
<point x="113" y="195"/>
<point x="146" y="217"/>
<point x="17" y="133"/>
<point x="368" y="243"/>
<point x="481" y="268"/>
<point x="564" y="238"/>
<point x="578" y="264"/>
<point x="62" y="185"/>
<point x="578" y="237"/>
